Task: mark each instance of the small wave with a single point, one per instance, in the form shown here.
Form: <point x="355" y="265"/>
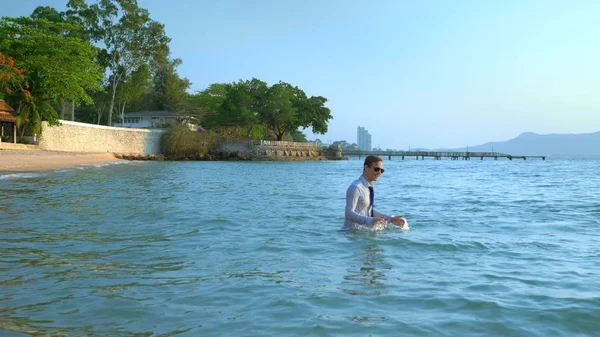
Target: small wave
<point x="83" y="167"/>
<point x="377" y="229"/>
<point x="218" y="220"/>
<point x="28" y="175"/>
<point x="114" y="163"/>
<point x="22" y="175"/>
<point x="453" y="246"/>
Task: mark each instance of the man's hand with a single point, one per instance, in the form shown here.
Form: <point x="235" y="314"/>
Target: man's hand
<point x="380" y="223"/>
<point x="399" y="221"/>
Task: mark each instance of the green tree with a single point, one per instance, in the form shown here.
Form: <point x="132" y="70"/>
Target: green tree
<point x="130" y="38"/>
<point x="313" y="113"/>
<point x="210" y="99"/>
<point x="96" y="112"/>
<point x="132" y="88"/>
<point x="253" y="109"/>
<point x="59" y="65"/>
<point x="278" y="111"/>
<point x="71" y="17"/>
<point x="298" y="136"/>
<point x="287" y="108"/>
<point x="32" y="111"/>
<point x="345" y="145"/>
<point x="169" y="91"/>
<point x="48" y="13"/>
<point x="352" y="147"/>
<point x="234" y="108"/>
<point x="241" y="106"/>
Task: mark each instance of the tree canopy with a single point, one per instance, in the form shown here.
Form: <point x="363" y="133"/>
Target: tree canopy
<point x="58" y="65"/>
<point x="250" y="105"/>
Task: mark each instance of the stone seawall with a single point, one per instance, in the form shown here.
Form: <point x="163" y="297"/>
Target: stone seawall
<point x="273" y="150"/>
<point x="82" y="137"/>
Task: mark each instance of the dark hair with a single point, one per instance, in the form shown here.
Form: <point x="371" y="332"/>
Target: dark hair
<point x="372" y="159"/>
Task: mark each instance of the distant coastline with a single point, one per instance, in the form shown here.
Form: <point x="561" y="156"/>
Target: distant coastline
<point x="584" y="145"/>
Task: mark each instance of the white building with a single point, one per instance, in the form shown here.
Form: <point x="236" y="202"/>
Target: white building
<point x="363" y="139"/>
<point x="152" y="119"/>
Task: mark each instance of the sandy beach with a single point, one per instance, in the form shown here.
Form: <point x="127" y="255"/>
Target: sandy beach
<point x="40" y="160"/>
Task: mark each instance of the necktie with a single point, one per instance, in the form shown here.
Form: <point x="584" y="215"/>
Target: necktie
<point x="372" y="197"/>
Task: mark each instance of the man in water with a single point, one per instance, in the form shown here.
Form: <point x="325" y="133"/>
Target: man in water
<point x="360" y="198"/>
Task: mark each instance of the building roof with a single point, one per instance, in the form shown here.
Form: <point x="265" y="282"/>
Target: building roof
<point x="7" y="117"/>
<point x="5" y="107"/>
<point x="151" y="114"/>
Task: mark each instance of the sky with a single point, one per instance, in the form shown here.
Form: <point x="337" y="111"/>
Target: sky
<point x="430" y="74"/>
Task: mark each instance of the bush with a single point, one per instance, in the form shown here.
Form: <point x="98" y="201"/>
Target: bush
<point x="179" y="142"/>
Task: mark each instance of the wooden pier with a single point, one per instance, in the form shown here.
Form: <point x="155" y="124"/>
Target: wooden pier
<point x="438" y="155"/>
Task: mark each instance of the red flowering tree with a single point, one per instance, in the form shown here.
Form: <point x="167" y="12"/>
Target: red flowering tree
<point x="11" y="78"/>
<point x="12" y="82"/>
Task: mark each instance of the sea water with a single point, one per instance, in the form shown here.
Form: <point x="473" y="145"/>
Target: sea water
<point x="496" y="248"/>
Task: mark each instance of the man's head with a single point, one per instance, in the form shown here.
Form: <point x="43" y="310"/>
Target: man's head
<point x="373" y="168"/>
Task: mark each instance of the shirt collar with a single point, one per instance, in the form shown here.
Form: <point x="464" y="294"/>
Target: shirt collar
<point x="364" y="181"/>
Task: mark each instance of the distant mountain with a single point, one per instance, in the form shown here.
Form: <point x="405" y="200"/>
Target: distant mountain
<point x="551" y="145"/>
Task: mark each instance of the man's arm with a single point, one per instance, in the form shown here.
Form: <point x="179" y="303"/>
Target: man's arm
<point x="381" y="214"/>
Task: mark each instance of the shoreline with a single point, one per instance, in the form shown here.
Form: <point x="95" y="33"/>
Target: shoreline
<point x="35" y="160"/>
<point x="25" y="161"/>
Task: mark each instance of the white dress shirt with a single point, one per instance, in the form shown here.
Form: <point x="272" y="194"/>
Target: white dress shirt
<point x="358" y="208"/>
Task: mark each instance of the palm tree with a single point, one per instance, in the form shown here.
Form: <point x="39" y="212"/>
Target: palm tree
<point x="31" y="112"/>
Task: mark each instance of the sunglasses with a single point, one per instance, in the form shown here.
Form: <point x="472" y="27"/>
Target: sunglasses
<point x="378" y="169"/>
